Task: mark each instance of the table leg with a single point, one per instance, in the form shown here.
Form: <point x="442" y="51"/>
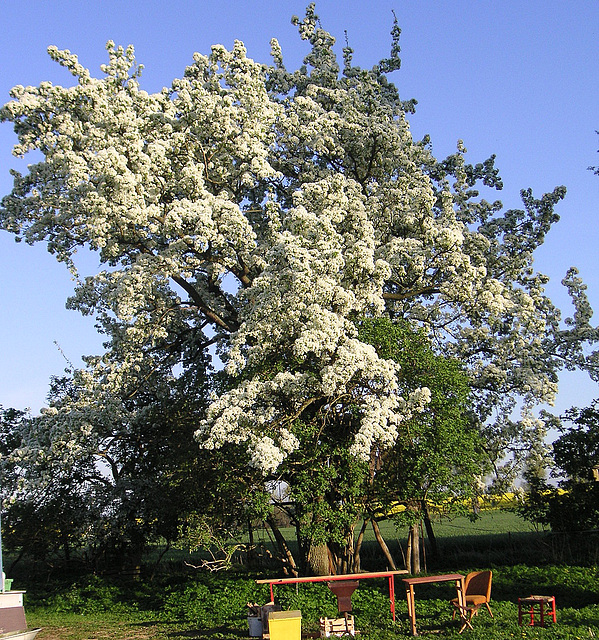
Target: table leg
<point x="411" y="608"/>
<point x="392" y="595"/>
<point x="464" y="620"/>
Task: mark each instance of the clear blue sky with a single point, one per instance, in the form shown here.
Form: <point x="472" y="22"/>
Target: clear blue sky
<point x="515" y="78"/>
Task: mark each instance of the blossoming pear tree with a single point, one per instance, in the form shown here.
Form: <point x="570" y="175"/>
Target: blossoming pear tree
<point x="265" y="213"/>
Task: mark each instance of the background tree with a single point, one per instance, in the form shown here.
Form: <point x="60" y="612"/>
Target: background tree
<point x="572" y="505"/>
<point x="43" y="520"/>
<point x="112" y="479"/>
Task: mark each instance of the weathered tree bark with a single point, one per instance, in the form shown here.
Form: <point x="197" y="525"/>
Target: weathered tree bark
<point x="318" y="560"/>
<point x="383" y="544"/>
<point x="285" y="551"/>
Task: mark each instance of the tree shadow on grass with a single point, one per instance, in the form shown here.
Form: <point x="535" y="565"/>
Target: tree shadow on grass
<point x="224" y="632"/>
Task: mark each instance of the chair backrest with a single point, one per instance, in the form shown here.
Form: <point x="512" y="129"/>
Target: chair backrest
<point x="478" y="583"/>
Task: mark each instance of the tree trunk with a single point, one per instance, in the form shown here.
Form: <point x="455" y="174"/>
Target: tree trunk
<point x="251" y="553"/>
<point x="167" y="546"/>
<point x="347" y="554"/>
<point x="16" y="560"/>
<point x="356" y="566"/>
<point x="430" y="534"/>
<point x="67" y="550"/>
<point x="383" y="545"/>
<point x="284" y="550"/>
<point x="409" y="553"/>
<point x="415" y="548"/>
<point x="318" y="560"/>
<point x="303" y="548"/>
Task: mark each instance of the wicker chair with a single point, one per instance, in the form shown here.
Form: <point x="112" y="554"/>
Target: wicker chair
<point x="478" y="592"/>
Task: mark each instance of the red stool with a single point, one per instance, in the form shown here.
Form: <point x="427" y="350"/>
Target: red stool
<point x="531" y="602"/>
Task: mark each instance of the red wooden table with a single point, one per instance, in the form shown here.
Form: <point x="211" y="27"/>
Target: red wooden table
<point x="347" y="576"/>
<point x="458" y="578"/>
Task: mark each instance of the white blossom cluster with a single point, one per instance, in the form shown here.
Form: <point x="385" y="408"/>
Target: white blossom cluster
<point x="314" y="201"/>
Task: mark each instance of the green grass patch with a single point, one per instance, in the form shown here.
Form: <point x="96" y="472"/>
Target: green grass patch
<point x="202" y="606"/>
<point x="194" y="605"/>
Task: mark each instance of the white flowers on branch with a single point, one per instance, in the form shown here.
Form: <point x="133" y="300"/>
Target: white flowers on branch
<point x="308" y="194"/>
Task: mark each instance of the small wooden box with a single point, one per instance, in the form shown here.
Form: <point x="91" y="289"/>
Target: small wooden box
<point x="337" y="627"/>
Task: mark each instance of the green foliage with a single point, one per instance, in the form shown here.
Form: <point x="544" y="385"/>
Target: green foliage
<point x="534" y="505"/>
<point x="326" y="487"/>
<point x="575" y="507"/>
<point x="211" y="600"/>
<point x="313" y="600"/>
<point x="91" y="596"/>
<point x="11" y="421"/>
<point x="576" y="451"/>
<point x="438" y="456"/>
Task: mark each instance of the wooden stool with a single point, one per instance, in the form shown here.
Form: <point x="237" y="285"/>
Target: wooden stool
<point x="531" y="602"/>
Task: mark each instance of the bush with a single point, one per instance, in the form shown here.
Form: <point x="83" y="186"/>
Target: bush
<point x="211" y="600"/>
<point x="90" y="596"/>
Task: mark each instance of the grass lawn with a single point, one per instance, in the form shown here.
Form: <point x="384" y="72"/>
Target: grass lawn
<point x="213" y="607"/>
<point x="203" y="606"/>
<point x="71" y="626"/>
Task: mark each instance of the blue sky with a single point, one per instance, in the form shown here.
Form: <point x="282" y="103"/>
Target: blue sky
<point x="515" y="78"/>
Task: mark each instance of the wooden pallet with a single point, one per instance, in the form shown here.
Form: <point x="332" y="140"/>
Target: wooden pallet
<point x="337" y="627"/>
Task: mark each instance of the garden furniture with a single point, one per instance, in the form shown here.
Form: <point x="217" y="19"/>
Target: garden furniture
<point x="448" y="577"/>
<point x="349" y="577"/>
<point x="541" y="601"/>
<point x="477" y="591"/>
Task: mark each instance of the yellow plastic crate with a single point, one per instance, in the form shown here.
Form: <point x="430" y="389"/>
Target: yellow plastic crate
<point x="285" y="625"/>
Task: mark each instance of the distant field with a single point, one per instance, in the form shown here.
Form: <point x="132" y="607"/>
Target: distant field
<point x="489" y="523"/>
<point x="495" y="536"/>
